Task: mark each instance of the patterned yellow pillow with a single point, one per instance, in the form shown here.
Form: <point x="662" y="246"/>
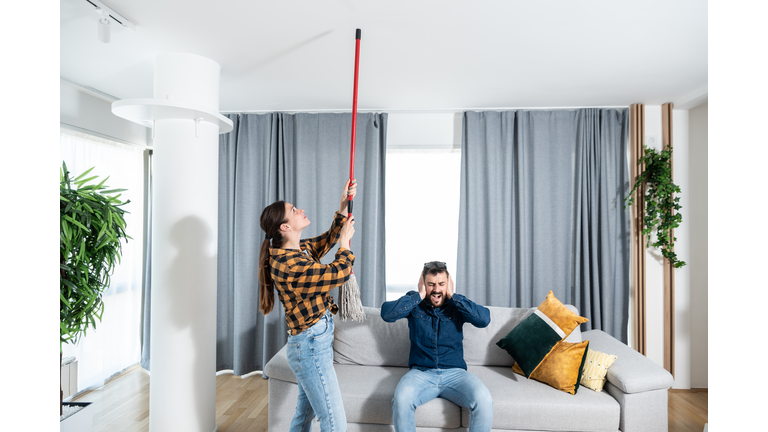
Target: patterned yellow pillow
<point x="595" y="368"/>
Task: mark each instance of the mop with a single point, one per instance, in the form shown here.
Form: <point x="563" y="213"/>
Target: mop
<point x="350" y="306"/>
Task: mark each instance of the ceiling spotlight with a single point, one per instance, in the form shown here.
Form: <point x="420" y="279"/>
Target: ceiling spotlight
<point x="105" y="32"/>
<point x="106" y="16"/>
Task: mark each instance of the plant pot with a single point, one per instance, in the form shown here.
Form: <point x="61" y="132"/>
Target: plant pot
<point x="80" y="421"/>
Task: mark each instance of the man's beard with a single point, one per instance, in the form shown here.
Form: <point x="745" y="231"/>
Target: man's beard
<point x="436" y="299"/>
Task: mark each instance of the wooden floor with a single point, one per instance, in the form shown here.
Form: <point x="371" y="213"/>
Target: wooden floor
<point x="687" y="410"/>
<point x="122" y="404"/>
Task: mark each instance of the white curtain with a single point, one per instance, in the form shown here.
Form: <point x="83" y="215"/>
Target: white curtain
<point x="114" y="345"/>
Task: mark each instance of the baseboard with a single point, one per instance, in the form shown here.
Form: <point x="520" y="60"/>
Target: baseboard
<point x="232" y="372"/>
<point x="691" y="390"/>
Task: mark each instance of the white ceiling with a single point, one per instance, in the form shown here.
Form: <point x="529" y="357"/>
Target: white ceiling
<point x="415" y="55"/>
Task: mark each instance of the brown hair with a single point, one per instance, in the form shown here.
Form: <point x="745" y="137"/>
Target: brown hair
<point x="272" y="217"/>
<point x="434" y="270"/>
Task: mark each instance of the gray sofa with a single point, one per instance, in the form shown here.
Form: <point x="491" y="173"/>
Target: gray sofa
<point x="371" y="357"/>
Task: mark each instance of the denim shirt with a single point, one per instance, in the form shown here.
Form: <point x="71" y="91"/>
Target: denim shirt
<point x="437" y="340"/>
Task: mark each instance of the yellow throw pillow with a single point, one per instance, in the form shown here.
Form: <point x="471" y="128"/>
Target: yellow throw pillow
<point x="562" y="367"/>
<point x="555" y="310"/>
<point x="595" y="369"/>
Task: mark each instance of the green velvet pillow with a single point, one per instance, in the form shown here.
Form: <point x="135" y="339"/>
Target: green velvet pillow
<point x="531" y="341"/>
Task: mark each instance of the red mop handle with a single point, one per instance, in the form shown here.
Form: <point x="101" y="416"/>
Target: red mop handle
<point x="354" y="121"/>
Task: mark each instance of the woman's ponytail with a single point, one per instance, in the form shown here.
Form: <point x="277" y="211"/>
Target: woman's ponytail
<point x="266" y="293"/>
<point x="271" y="218"/>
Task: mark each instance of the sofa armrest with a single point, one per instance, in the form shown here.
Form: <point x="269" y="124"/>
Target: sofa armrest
<point x="632" y="372"/>
<point x="278" y="368"/>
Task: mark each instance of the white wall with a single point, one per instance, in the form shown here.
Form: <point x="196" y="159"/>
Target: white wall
<point x="87" y="112"/>
<point x="698" y="258"/>
<point x="424" y="130"/>
<point x="683" y="311"/>
<point x="654" y="285"/>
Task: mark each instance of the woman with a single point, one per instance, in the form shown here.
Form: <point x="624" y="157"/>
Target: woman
<point x="293" y="266"/>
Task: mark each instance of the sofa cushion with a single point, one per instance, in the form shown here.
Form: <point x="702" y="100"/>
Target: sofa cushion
<point x="372" y="402"/>
<point x="562" y="368"/>
<point x="524" y="404"/>
<point x="372" y="342"/>
<point x="531" y="341"/>
<point x="479" y="346"/>
<point x="595" y="369"/>
<point x="277" y="366"/>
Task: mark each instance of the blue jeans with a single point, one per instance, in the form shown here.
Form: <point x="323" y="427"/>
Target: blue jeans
<point x="310" y="357"/>
<point x="418" y="387"/>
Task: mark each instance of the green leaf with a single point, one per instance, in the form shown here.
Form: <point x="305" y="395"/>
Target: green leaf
<point x="102" y="183"/>
<point x="71" y="219"/>
<point x="63" y="299"/>
<point x="84" y="181"/>
<point x="81" y="175"/>
<point x="68" y="284"/>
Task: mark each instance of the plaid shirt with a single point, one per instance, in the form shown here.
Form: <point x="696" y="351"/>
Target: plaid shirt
<point x="303" y="283"/>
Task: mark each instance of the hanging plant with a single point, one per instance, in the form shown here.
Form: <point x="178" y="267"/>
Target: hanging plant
<point x="661" y="206"/>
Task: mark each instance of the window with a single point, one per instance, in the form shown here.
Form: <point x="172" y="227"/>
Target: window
<point x="115" y="344"/>
<point x="422" y="214"/>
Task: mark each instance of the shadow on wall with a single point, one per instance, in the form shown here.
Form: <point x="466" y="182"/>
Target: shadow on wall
<point x="194" y="276"/>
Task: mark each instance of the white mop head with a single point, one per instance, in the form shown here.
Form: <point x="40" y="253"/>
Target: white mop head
<point x="350" y="306"/>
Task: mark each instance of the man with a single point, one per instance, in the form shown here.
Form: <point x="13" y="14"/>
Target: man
<point x="436" y="360"/>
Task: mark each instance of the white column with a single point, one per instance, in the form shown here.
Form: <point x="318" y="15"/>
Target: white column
<point x="182" y="394"/>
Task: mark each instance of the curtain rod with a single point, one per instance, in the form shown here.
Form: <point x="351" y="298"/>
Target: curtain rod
<point x="424" y="111"/>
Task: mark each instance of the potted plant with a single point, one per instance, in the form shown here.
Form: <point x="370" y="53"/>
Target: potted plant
<point x="91" y="228"/>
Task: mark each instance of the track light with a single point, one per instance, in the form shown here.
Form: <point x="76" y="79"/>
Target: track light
<point x="106" y="16"/>
<point x="105" y="31"/>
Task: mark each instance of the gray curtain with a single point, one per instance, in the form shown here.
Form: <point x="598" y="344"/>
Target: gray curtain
<point x="541" y="209"/>
<point x="302" y="159"/>
<point x="147" y="285"/>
